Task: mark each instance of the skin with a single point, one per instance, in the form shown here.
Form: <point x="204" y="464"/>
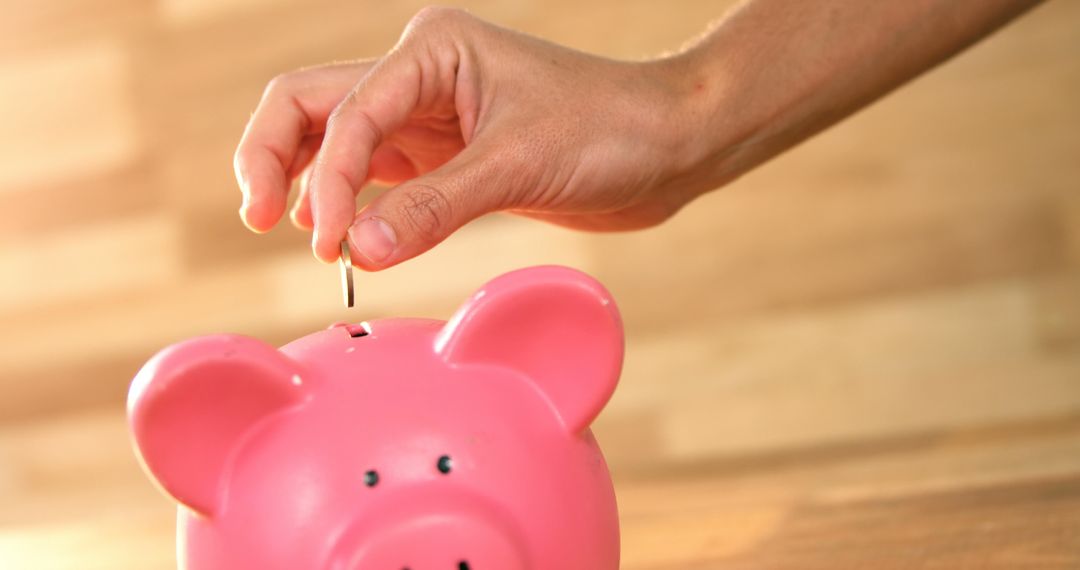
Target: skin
<point x="464" y="118"/>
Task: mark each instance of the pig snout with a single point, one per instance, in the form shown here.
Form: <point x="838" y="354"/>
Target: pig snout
<point x="439" y="542"/>
<point x="415" y="531"/>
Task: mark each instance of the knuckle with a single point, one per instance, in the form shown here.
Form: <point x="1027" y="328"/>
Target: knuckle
<point x="340" y="111"/>
<point x="351" y="110"/>
<point x="425" y="209"/>
<point x="239" y="159"/>
<point x="429" y="14"/>
<point x="245" y="157"/>
<point x="375" y="133"/>
<point x="343" y="108"/>
<point x="280" y="83"/>
<point x="433" y="19"/>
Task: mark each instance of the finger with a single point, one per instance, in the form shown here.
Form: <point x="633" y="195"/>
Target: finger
<point x="301" y="173"/>
<point x="412" y="218"/>
<point x="293" y="107"/>
<point x="305" y="153"/>
<point x="379" y="104"/>
<point x="301" y="211"/>
<point x="390" y="166"/>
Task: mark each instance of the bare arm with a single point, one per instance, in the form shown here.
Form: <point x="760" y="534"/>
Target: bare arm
<point x="774" y="72"/>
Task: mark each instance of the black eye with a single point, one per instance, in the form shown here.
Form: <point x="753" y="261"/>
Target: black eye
<point x="445" y="464"/>
<point x="371" y="478"/>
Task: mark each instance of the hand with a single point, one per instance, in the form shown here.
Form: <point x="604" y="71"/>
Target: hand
<point x="466" y="118"/>
<point x="469" y="118"/>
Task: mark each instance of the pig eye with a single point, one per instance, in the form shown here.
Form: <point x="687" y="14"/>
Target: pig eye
<point x="445" y="465"/>
<point x="371" y="478"/>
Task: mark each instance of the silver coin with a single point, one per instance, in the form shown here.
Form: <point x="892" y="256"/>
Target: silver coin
<point x="346" y="273"/>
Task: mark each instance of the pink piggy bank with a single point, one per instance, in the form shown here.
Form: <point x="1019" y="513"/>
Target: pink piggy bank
<point x="400" y="444"/>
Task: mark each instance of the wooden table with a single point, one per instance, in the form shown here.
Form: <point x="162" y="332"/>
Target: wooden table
<point x="995" y="498"/>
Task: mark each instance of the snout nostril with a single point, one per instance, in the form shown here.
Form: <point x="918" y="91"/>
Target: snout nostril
<point x="463" y="565"/>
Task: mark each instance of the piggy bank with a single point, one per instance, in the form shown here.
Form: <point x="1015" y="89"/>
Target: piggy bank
<point x="398" y="444"/>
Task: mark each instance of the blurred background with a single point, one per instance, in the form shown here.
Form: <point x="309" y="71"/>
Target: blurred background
<point x="867" y="350"/>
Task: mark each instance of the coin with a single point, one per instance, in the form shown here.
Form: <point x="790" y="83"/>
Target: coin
<point x="346" y="273"/>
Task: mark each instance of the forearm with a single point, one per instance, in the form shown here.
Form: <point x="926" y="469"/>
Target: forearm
<point x="774" y="72"/>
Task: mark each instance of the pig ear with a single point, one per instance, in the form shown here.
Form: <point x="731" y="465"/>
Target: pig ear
<point x="555" y="325"/>
<point x="192" y="403"/>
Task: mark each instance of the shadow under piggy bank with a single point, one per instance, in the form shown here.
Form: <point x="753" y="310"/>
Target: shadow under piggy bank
<point x="399" y="444"/>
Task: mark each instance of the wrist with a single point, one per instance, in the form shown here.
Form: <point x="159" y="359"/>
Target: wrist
<point x="705" y="138"/>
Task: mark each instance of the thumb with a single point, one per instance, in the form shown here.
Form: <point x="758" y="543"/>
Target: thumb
<point x="413" y="217"/>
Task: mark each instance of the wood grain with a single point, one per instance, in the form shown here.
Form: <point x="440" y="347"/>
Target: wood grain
<point x="865" y="354"/>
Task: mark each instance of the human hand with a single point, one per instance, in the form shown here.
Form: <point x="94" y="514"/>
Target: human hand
<point x="466" y="118"/>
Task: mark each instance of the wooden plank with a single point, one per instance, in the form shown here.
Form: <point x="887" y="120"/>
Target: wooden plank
<point x="1025" y="525"/>
<point x="905" y="365"/>
<point x="130" y="540"/>
<point x="122" y="193"/>
<point x="873" y="407"/>
<point x="737" y="253"/>
<point x="65" y="385"/>
<point x="58" y="139"/>
<point x="178" y="13"/>
<point x="1058" y="311"/>
<point x="29" y="26"/>
<point x="1069" y="212"/>
<point x="69" y="265"/>
<point x="69" y="465"/>
<point x="1007" y="495"/>
<point x="955" y="461"/>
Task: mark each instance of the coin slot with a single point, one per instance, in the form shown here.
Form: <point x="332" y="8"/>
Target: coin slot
<point x="357" y="331"/>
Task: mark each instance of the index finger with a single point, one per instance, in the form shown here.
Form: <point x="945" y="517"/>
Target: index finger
<point x="378" y="105"/>
<point x="293" y="106"/>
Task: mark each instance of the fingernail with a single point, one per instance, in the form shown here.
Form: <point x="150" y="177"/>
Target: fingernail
<point x="374" y="238"/>
<point x="315" y="248"/>
<point x="245" y="215"/>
